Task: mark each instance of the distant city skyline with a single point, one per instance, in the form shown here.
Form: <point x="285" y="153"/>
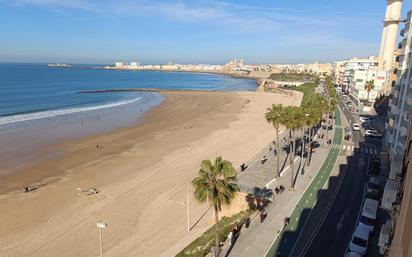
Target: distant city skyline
<point x="91" y="31"/>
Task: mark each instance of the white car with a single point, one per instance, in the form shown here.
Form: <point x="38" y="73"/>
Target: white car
<point x="362" y="119"/>
<point x="360" y="240"/>
<point x="356" y="127"/>
<point x="349" y="104"/>
<point x="369" y="212"/>
<point x="353" y="254"/>
<point x="368" y="132"/>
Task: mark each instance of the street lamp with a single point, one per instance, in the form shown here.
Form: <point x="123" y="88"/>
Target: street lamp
<point x="101" y="225"/>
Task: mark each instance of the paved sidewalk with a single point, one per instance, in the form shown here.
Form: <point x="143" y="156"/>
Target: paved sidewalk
<point x="258" y="238"/>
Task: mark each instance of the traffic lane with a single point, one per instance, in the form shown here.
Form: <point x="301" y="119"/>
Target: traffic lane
<point x="346" y="111"/>
<point x="333" y="237"/>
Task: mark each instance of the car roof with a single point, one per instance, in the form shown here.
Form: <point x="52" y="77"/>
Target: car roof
<point x="362" y="232"/>
<point x="370" y="208"/>
<point x="374" y="180"/>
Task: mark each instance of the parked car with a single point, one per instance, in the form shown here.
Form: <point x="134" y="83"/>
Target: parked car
<point x="360" y="240"/>
<point x="364" y="118"/>
<point x="369" y="125"/>
<point x="353" y="254"/>
<point x="373" y="185"/>
<point x="356" y="127"/>
<point x="369" y="212"/>
<point x="350" y="104"/>
<point x="373" y="133"/>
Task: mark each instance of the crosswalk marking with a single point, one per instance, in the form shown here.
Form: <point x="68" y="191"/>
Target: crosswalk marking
<point x="349" y="148"/>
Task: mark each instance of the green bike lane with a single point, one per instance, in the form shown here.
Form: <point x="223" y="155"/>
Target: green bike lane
<point x="286" y="239"/>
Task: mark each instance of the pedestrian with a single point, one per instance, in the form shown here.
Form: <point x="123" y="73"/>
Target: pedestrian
<point x="230" y="238"/>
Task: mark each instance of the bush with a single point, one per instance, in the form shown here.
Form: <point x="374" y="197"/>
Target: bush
<point x="202" y="245"/>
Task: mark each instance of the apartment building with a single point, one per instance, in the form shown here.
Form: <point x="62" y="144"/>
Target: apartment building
<point x="399" y="116"/>
<point x="338" y="68"/>
<point x="357" y="79"/>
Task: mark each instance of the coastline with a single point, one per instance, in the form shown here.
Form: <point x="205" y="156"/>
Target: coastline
<point x="136" y="173"/>
<point x="259" y="76"/>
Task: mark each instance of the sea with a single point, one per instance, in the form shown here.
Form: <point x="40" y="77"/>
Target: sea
<point x="42" y="105"/>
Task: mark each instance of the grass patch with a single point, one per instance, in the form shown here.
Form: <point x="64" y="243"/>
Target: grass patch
<point x="308" y="90"/>
<point x="290" y="77"/>
<point x="202" y="245"/>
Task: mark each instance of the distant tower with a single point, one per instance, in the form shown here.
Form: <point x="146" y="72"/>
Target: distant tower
<point x="390" y="33"/>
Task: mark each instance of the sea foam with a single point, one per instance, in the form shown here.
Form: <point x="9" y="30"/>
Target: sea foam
<point x="60" y="112"/>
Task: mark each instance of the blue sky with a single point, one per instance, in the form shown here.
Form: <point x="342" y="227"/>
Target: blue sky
<point x="260" y="31"/>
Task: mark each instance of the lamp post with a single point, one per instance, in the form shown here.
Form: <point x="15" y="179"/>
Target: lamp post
<point x="101" y="225"/>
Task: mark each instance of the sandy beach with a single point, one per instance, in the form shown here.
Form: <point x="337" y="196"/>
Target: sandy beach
<point x="141" y="173"/>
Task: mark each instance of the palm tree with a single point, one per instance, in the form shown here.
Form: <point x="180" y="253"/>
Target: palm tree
<point x="274" y="117"/>
<point x="217" y="185"/>
<point x="314" y="108"/>
<point x="292" y="119"/>
<point x="369" y="86"/>
<point x="331" y="103"/>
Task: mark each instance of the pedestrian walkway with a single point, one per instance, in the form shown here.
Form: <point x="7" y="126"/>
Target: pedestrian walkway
<point x="260" y="174"/>
<point x="285" y="241"/>
<point x="260" y="236"/>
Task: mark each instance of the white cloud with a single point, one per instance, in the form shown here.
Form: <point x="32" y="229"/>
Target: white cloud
<point x="246" y="18"/>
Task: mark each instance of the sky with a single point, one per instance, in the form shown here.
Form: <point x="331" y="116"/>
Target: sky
<point x="189" y="31"/>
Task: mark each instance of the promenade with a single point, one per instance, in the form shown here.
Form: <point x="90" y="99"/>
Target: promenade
<point x="268" y="237"/>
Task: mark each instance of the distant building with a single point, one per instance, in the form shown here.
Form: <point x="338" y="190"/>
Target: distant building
<point x="134" y="65"/>
<point x="120" y="64"/>
<point x="353" y="78"/>
<point x="357" y="80"/>
<point x="338" y="68"/>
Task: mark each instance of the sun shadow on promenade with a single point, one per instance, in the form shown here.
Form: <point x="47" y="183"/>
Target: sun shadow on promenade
<point x="259" y="198"/>
<point x="299" y="233"/>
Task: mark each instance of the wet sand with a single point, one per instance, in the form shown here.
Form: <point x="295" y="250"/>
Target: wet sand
<point x="141" y="173"/>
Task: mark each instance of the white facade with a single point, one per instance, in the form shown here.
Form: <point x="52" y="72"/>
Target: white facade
<point x="399" y="117"/>
<point x="358" y="79"/>
<point x="355" y="70"/>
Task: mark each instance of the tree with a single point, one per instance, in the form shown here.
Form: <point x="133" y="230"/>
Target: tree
<point x="274" y="117"/>
<point x="315" y="108"/>
<point x="331" y="102"/>
<point x="369" y="86"/>
<point x="293" y="118"/>
<point x="217" y="185"/>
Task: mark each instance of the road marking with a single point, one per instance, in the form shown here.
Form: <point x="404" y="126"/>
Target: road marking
<point x="297" y="218"/>
<point x="310" y="195"/>
<point x="306" y="201"/>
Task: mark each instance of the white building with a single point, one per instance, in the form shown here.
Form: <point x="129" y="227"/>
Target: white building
<point x="356" y="72"/>
<point x="134" y="65"/>
<point x="120" y="64"/>
<point x="357" y="80"/>
<point x="338" y="68"/>
<point x="399" y="117"/>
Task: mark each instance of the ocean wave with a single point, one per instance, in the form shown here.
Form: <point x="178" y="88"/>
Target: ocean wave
<point x="60" y="112"/>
